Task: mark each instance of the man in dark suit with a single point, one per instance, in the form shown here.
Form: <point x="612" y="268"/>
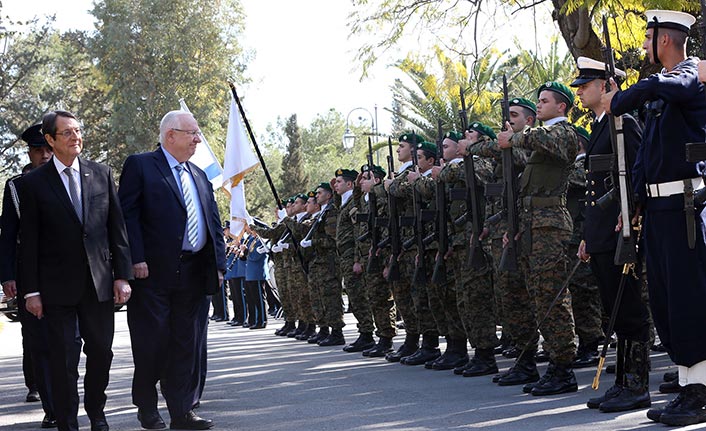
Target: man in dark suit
<point x="599" y="242"/>
<point x="74" y="264"/>
<point x="35" y="361"/>
<point x="178" y="255"/>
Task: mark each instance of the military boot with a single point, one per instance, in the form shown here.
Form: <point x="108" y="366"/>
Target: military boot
<point x="483" y="364"/>
<point x="635" y="392"/>
<point x="586" y="355"/>
<point x="671" y="383"/>
<point x="323" y="333"/>
<point x="308" y="332"/>
<point x="561" y="381"/>
<point x="456" y="355"/>
<point x="617" y="388"/>
<point x="429" y="351"/>
<point x="691" y="409"/>
<point x="298" y="330"/>
<point x="365" y="341"/>
<point x="334" y="339"/>
<point x="379" y="350"/>
<point x="410" y="345"/>
<point x="524" y="371"/>
<point x="282" y="332"/>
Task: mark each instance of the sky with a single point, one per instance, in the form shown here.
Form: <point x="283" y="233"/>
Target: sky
<point x="303" y="64"/>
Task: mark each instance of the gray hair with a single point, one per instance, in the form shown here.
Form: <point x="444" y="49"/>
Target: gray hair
<point x="171" y="120"/>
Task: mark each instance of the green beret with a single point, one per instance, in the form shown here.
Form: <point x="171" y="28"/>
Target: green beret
<point x="301" y="196"/>
<point x="348" y="174"/>
<point x="412" y="138"/>
<point x="525" y="103"/>
<point x="582" y="132"/>
<point x="326" y="186"/>
<point x="429" y="149"/>
<point x="377" y="170"/>
<point x="482" y="129"/>
<point x="454" y="135"/>
<point x="290" y="200"/>
<point x="560" y="89"/>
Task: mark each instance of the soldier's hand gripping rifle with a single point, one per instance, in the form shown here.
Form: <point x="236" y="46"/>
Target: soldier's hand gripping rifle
<point x="372" y="215"/>
<point x="442" y="228"/>
<point x="393" y="227"/>
<point x="474" y="206"/>
<point x="321" y="218"/>
<point x="508" y="260"/>
<point x="617" y="163"/>
<point x="420" y="272"/>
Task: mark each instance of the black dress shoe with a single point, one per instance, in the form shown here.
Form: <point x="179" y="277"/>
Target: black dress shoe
<point x="150" y="419"/>
<point x="32" y="397"/>
<point x="259" y="326"/>
<point x="221" y="319"/>
<point x="190" y="422"/>
<point x="585" y="359"/>
<point x="99" y="424"/>
<point x="48" y="422"/>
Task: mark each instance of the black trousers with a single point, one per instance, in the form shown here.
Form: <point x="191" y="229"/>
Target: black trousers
<point x="220" y="303"/>
<point x="95" y="323"/>
<point x="166" y="331"/>
<point x="35" y="355"/>
<point x="254" y="296"/>
<point x="237" y="294"/>
<point x="632" y="322"/>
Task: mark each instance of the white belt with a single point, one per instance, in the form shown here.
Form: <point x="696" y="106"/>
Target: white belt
<point x="672" y="188"/>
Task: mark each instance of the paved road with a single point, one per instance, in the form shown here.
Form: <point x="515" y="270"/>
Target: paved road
<point x="261" y="382"/>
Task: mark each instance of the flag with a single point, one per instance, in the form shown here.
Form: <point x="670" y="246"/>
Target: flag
<point x="204" y="157"/>
<point x="239" y="160"/>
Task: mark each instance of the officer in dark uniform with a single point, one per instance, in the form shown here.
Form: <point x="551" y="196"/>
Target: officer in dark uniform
<point x="673" y="227"/>
<point x="35" y="363"/>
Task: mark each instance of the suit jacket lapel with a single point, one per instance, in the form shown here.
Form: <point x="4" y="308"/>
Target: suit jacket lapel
<point x="57" y="186"/>
<point x="163" y="166"/>
<point x="202" y="189"/>
<point x="596" y="134"/>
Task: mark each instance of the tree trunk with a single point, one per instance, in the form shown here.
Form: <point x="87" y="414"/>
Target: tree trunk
<point x="577" y="32"/>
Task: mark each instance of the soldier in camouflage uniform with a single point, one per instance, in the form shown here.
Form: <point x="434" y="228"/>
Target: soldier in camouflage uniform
<point x="585" y="298"/>
<point x="545" y="228"/>
<point x="324" y="273"/>
<point x="427" y="295"/>
<point x="352" y="274"/>
<point x="378" y="291"/>
<point x="401" y="289"/>
<point x="475" y="298"/>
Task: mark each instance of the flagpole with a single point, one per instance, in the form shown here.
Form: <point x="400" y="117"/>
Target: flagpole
<point x="267" y="173"/>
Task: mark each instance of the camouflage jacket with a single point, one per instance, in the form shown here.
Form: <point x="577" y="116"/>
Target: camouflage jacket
<point x="345" y="231"/>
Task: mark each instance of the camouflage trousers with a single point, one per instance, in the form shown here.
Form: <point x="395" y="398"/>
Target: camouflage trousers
<point x="402" y="292"/>
<point x="420" y="296"/>
<point x="586" y="304"/>
<point x="382" y="304"/>
<point x="435" y="292"/>
<point x="448" y="294"/>
<point x="518" y="313"/>
<point x="326" y="291"/>
<point x="282" y="274"/>
<point x="546" y="268"/>
<point x="300" y="293"/>
<point x="475" y="301"/>
<point x="358" y="300"/>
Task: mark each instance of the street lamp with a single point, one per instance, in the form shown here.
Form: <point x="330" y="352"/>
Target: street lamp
<point x="349" y="136"/>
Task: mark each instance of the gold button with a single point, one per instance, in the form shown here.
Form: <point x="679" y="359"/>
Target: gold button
<point x="587" y="171"/>
<point x="586" y="192"/>
<point x="593" y="204"/>
<point x="593" y="193"/>
<point x="593" y="183"/>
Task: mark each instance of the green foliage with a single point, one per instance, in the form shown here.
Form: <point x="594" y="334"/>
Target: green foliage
<point x="294" y="178"/>
<point x="154" y="52"/>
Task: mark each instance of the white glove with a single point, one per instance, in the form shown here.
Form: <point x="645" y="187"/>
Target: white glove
<point x="306" y="243"/>
<point x="284" y="246"/>
<point x="276" y="248"/>
<point x="262" y="249"/>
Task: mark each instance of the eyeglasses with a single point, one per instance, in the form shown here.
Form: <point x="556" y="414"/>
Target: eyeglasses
<point x="69" y="132"/>
<point x="188" y="132"/>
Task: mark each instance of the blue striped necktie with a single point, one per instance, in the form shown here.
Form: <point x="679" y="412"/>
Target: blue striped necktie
<point x="192" y="223"/>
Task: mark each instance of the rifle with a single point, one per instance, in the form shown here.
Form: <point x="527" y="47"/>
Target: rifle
<point x="474" y="206"/>
<point x="442" y="229"/>
<point x="625" y="253"/>
<point x="508" y="260"/>
<point x="372" y="215"/>
<point x="319" y="219"/>
<point x="420" y="273"/>
<point x="393" y="228"/>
